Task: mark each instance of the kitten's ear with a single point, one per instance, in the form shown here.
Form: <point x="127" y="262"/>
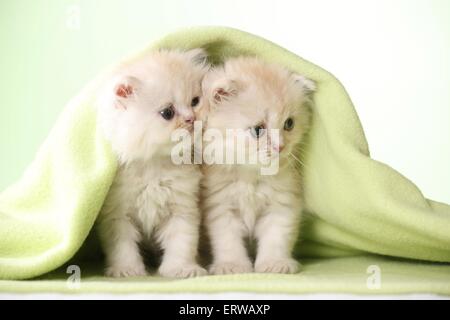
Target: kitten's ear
<point x="198" y="56"/>
<point x="124" y="89"/>
<point x="223" y="90"/>
<point x="308" y="86"/>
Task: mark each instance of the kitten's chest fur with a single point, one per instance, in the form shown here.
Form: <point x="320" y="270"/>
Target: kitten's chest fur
<point x="148" y="191"/>
<point x="251" y="194"/>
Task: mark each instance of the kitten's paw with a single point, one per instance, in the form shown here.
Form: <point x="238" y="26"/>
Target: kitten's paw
<point x="231" y="268"/>
<point x="126" y="271"/>
<point x="277" y="266"/>
<point x="187" y="271"/>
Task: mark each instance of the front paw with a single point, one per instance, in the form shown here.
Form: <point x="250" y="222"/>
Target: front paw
<point x="186" y="271"/>
<point x="277" y="266"/>
<point x="126" y="271"/>
<point x="222" y="268"/>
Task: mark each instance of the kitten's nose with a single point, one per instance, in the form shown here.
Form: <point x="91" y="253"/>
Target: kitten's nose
<point x="278" y="148"/>
<point x="189" y="119"/>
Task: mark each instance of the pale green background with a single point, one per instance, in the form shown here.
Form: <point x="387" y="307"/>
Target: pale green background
<point x="392" y="56"/>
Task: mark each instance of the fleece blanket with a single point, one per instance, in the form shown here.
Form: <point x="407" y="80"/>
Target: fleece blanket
<point x="365" y="221"/>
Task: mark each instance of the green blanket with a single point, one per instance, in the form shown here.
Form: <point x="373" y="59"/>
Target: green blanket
<point x="357" y="208"/>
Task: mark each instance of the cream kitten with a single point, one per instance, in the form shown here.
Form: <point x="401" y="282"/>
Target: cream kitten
<point x="152" y="198"/>
<point x="239" y="203"/>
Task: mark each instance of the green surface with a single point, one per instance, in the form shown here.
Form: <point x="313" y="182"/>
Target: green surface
<point x="335" y="275"/>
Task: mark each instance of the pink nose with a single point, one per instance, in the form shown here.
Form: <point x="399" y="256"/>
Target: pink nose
<point x="189" y="119"/>
<point x="278" y="148"/>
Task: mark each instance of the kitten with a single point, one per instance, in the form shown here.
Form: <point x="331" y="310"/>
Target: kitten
<point x="238" y="201"/>
<point x="152" y="199"/>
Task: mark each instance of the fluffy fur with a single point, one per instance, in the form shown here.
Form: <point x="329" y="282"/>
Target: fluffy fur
<point x="151" y="199"/>
<point x="238" y="202"/>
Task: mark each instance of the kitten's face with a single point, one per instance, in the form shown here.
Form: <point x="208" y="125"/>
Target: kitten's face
<point x="257" y="98"/>
<point x="152" y="98"/>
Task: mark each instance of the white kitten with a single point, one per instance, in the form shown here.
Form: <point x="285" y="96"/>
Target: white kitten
<point x="152" y="198"/>
<point x="238" y="202"/>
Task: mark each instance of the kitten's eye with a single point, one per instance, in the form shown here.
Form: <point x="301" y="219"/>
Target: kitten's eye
<point x="195" y="101"/>
<point x="257" y="131"/>
<point x="289" y="124"/>
<point x="168" y="113"/>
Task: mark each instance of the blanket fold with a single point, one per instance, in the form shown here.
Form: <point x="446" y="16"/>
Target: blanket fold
<point x="355" y="205"/>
